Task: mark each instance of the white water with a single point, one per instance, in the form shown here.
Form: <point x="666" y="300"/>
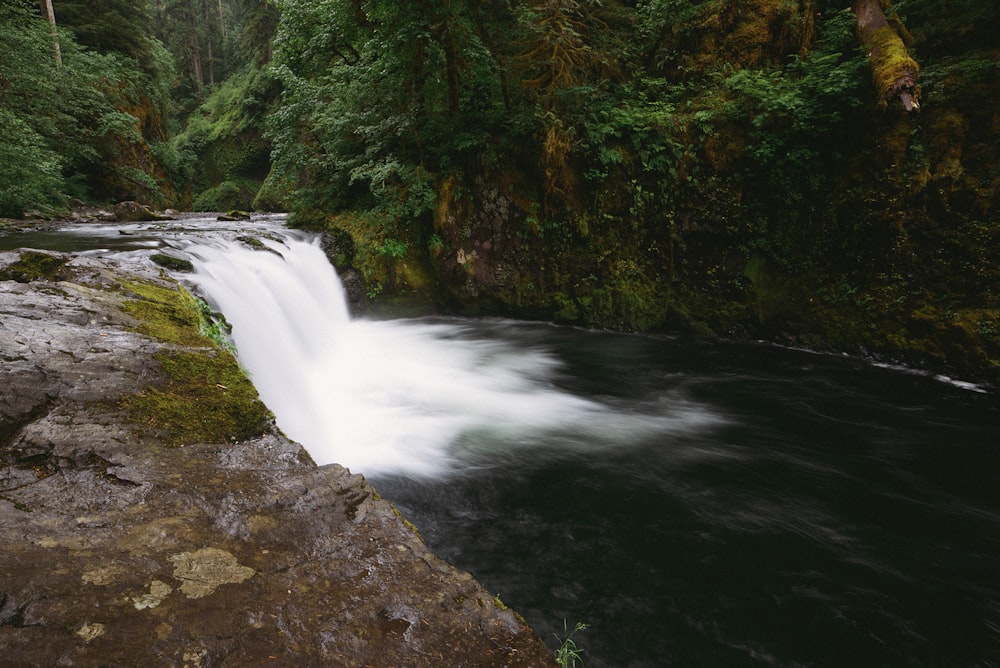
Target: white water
<point x="399" y="396"/>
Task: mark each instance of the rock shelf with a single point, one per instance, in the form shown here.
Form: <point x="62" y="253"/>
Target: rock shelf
<point x="118" y="549"/>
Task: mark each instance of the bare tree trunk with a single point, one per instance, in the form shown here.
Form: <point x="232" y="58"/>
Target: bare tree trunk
<point x="451" y="68"/>
<point x="222" y="22"/>
<point x="51" y="15"/>
<point x="199" y="78"/>
<point x="893" y="70"/>
<point x="211" y="62"/>
<point x="207" y="16"/>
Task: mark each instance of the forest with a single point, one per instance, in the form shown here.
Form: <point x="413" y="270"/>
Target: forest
<point x="819" y="173"/>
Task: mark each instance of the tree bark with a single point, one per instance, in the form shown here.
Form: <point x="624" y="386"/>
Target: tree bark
<point x="196" y="72"/>
<point x="451" y="67"/>
<point x="209" y="37"/>
<point x="211" y="62"/>
<point x="893" y="70"/>
<point x="51" y="15"/>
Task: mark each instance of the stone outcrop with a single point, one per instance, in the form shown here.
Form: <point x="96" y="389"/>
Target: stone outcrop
<point x="118" y="550"/>
<point x="133" y="212"/>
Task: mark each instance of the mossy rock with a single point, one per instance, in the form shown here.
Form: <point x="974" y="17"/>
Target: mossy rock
<point x="226" y="196"/>
<point x="36" y="266"/>
<point x="133" y="212"/>
<point x="204" y="397"/>
<point x="233" y="216"/>
<point x="172" y="263"/>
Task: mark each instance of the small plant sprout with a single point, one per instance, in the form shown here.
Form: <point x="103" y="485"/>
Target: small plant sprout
<point x="568" y="654"/>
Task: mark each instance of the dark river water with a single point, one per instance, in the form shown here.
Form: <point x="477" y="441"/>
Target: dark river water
<point x="832" y="514"/>
<point x="695" y="503"/>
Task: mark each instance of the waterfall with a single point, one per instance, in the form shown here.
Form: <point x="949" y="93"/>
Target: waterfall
<point x="400" y="396"/>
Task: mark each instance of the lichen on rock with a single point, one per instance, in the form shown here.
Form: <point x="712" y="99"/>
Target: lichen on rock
<point x="203" y="571"/>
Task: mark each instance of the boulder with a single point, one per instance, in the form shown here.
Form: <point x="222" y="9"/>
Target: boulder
<point x="233" y="216"/>
<point x="133" y="212"/>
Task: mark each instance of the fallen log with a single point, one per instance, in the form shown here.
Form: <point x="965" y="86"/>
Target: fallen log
<point x="894" y="71"/>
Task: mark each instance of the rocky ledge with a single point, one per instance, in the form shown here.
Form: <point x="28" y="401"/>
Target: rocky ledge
<point x="126" y="538"/>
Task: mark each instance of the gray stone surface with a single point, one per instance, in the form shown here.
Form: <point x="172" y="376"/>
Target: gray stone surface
<point x="117" y="550"/>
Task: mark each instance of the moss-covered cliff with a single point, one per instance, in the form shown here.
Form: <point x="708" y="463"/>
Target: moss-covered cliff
<point x="732" y="168"/>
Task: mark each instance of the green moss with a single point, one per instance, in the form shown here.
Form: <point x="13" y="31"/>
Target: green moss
<point x="252" y="242"/>
<point x="166" y="312"/>
<point x="390" y="267"/>
<point x="891" y="62"/>
<point x="172" y="263"/>
<point x="205" y="397"/>
<point x="35" y="266"/>
<point x="771" y="286"/>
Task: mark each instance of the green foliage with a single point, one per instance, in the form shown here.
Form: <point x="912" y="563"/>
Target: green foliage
<point x="630" y="134"/>
<point x="224" y="197"/>
<point x="222" y="152"/>
<point x="392" y="248"/>
<point x="628" y="164"/>
<point x="568" y="655"/>
<point x="119" y="26"/>
<point x="798" y="112"/>
<point x="31" y="175"/>
<point x="379" y="99"/>
<point x="81" y="128"/>
<point x="214" y="326"/>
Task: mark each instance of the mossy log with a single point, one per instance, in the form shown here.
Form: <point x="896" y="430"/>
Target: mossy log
<point x="893" y="70"/>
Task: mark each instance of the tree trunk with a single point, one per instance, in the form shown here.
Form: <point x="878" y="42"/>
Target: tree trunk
<point x="51" y="15"/>
<point x="451" y="69"/>
<point x="199" y="78"/>
<point x="211" y="62"/>
<point x="893" y="70"/>
<point x="209" y="37"/>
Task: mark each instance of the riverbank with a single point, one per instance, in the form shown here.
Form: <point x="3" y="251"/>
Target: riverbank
<point x="125" y="545"/>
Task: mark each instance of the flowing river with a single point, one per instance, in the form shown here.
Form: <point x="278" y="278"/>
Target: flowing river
<point x="694" y="502"/>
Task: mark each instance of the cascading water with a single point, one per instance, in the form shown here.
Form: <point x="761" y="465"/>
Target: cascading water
<point x="396" y="396"/>
<point x="695" y="502"/>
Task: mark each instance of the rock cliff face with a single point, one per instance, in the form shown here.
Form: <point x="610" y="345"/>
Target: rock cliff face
<point x="116" y="549"/>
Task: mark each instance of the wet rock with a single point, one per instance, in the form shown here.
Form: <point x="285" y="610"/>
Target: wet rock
<point x="172" y="263"/>
<point x="116" y="550"/>
<point x="233" y="216"/>
<point x="133" y="212"/>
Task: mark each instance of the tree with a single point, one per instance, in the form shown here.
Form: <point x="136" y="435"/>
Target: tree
<point x="119" y="26"/>
<point x="50" y="13"/>
<point x="30" y="176"/>
<point x="378" y="96"/>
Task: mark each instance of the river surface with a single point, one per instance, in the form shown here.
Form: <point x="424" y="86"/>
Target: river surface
<point x="694" y="502"/>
